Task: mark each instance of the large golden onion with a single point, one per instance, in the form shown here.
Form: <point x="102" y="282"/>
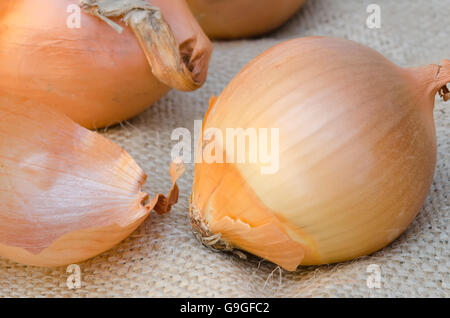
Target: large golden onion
<point x="357" y="151"/>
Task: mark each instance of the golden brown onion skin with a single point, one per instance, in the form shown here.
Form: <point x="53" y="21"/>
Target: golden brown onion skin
<point x="357" y="153"/>
<point x="93" y="74"/>
<point x="231" y="19"/>
<point x="73" y="247"/>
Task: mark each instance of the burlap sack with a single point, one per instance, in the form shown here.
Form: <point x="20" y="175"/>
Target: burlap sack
<point x="162" y="258"/>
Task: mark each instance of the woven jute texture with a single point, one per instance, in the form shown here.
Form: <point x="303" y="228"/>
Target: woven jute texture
<point x="162" y="258"/>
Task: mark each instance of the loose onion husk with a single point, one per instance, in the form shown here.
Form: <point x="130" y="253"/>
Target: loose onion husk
<point x="231" y="19"/>
<point x="66" y="193"/>
<point x="94" y="74"/>
<point x="357" y="155"/>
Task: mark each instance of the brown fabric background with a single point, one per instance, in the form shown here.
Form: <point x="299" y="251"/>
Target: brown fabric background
<point x="162" y="258"/>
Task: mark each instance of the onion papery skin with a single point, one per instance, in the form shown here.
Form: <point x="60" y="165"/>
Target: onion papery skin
<point x="66" y="193"/>
<point x="93" y="74"/>
<point x="357" y="153"/>
<point x="232" y="19"/>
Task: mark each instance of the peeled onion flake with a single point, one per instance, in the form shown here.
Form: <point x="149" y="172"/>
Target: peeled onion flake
<point x="66" y="193"/>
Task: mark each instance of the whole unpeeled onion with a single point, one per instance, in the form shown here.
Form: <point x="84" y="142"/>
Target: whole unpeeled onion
<point x="87" y="69"/>
<point x="228" y="19"/>
<point x="357" y="152"/>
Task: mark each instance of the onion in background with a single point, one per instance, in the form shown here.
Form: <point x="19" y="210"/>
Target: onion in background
<point x="231" y="19"/>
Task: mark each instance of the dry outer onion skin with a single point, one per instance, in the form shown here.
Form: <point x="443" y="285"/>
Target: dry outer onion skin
<point x="94" y="74"/>
<point x="231" y="19"/>
<point x="357" y="153"/>
<point x="66" y="193"/>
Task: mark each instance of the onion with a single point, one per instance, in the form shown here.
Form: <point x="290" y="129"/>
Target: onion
<point x="95" y="74"/>
<point x="66" y="193"/>
<point x="229" y="19"/>
<point x="357" y="152"/>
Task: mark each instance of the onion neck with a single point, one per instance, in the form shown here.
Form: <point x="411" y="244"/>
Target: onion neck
<point x="443" y="78"/>
<point x="181" y="66"/>
<point x="431" y="80"/>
